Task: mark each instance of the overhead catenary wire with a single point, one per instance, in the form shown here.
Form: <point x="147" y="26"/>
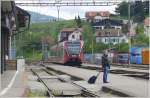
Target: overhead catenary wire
<point x="71" y="3"/>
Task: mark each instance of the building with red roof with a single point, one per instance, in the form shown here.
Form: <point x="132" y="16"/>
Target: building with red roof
<point x="95" y="16"/>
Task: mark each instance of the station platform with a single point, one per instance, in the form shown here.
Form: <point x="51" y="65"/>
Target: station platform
<point x="118" y="68"/>
<point x="6" y="77"/>
<point x="13" y="84"/>
<point x="129" y="86"/>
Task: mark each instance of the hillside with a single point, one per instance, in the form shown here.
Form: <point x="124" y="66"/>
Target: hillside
<point x="39" y="18"/>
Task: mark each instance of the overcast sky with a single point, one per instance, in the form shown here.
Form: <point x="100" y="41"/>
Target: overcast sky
<point x="68" y="12"/>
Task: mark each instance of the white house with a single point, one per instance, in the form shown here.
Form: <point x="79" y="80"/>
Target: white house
<point x="114" y="37"/>
<point x="107" y="23"/>
<point x="76" y="35"/>
<point x="71" y="34"/>
<point x="147" y="26"/>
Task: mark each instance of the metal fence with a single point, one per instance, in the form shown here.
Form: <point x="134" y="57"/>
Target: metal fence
<point x="113" y="58"/>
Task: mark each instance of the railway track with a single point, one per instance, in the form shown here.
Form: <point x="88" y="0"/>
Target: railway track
<point x="49" y="90"/>
<point x="121" y="71"/>
<point x="132" y="66"/>
<point x="84" y="92"/>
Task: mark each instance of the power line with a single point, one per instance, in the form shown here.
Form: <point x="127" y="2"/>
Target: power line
<point x="71" y="3"/>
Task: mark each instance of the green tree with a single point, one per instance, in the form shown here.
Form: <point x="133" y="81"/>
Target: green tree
<point x="125" y="28"/>
<point x="99" y="47"/>
<point x="78" y="21"/>
<point x="75" y="18"/>
<point x="87" y="37"/>
<point x="141" y="40"/>
<point x="122" y="47"/>
<point x="139" y="29"/>
<point x="122" y="9"/>
<point x="139" y="11"/>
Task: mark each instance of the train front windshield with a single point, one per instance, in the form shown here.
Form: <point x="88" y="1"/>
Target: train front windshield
<point x="73" y="47"/>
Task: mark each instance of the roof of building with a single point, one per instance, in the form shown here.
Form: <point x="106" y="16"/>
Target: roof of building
<point x="23" y="16"/>
<point x="146" y="21"/>
<point x="106" y="33"/>
<point x="92" y="14"/>
<point x="70" y="30"/>
<point x="22" y="11"/>
<point x="110" y="22"/>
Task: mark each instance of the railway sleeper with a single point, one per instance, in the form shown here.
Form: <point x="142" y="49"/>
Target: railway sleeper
<point x="84" y="91"/>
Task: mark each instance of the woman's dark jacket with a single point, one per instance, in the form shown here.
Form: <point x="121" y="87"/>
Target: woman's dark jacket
<point x="105" y="62"/>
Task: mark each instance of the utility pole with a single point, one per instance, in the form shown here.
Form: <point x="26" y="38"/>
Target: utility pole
<point x="92" y="51"/>
<point x="13" y="47"/>
<point x="108" y="30"/>
<point x="118" y="40"/>
<point x="10" y="47"/>
<point x="58" y="10"/>
<point x="58" y="7"/>
<point x="30" y="33"/>
<point x="129" y="27"/>
<point x="119" y="35"/>
<point x="109" y="38"/>
<point x="42" y="49"/>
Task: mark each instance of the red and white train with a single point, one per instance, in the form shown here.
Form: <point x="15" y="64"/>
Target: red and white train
<point x="67" y="52"/>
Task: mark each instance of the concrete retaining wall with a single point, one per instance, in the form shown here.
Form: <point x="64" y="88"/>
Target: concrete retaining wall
<point x="20" y="63"/>
<point x="11" y="65"/>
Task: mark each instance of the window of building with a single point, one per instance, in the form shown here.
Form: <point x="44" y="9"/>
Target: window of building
<point x="112" y="27"/>
<point x="63" y="34"/>
<point x="73" y="36"/>
<point x="105" y="40"/>
<point x="97" y="20"/>
<point x="80" y="37"/>
<point x="118" y="40"/>
<point x="123" y="40"/>
<point x="114" y="40"/>
<point x="96" y="28"/>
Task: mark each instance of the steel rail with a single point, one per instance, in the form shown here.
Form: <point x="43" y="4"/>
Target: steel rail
<point x="86" y="91"/>
<point x="49" y="90"/>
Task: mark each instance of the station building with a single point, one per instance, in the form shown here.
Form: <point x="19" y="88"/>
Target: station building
<point x="14" y="20"/>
